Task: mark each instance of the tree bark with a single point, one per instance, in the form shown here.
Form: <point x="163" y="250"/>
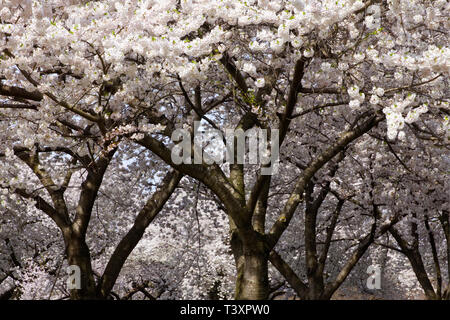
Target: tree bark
<point x="251" y="257"/>
<point x="291" y="277"/>
<point x="78" y="255"/>
<point x="415" y="259"/>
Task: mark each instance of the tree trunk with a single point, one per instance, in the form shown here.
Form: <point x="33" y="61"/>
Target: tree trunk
<point x="417" y="265"/>
<point x="252" y="282"/>
<point x="78" y="255"/>
<point x="314" y="273"/>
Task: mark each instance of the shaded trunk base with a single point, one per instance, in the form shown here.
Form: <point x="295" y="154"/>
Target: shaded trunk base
<point x="252" y="282"/>
<point x="81" y="283"/>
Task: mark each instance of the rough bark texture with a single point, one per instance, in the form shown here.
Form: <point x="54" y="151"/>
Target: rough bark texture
<point x="252" y="266"/>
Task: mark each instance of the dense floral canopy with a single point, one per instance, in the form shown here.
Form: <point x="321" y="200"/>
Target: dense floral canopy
<point x="91" y="93"/>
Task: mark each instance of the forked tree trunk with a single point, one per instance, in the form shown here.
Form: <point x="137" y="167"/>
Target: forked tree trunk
<point x="252" y="282"/>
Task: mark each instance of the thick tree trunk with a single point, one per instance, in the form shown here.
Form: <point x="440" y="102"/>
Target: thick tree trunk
<point x="78" y="255"/>
<point x="316" y="286"/>
<point x="252" y="282"/>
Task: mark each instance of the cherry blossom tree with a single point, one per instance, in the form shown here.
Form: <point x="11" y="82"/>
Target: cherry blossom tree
<point x="357" y="91"/>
